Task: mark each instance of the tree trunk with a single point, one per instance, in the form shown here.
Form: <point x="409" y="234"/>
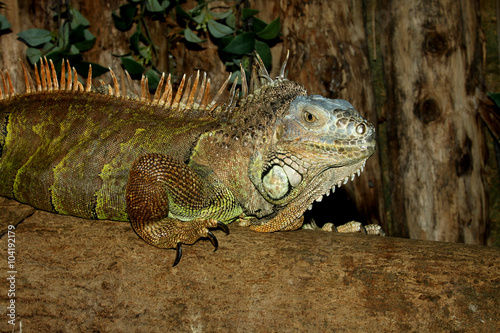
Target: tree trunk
<point x="75" y="275"/>
<point x="432" y="62"/>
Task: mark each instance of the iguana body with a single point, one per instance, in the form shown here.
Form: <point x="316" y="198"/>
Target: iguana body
<point x="177" y="165"/>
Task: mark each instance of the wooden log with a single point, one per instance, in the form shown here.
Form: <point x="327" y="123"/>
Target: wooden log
<point x="77" y="275"/>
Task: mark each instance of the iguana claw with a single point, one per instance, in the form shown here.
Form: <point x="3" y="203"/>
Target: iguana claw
<point x="213" y="240"/>
<point x="223" y="227"/>
<point x="210" y="236"/>
<point x="178" y="254"/>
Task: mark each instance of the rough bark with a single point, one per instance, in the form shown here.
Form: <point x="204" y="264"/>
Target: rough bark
<point x="432" y="61"/>
<point x="75" y="275"/>
<point x="328" y="46"/>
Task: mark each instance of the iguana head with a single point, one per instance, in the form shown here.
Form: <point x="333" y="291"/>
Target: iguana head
<point x="316" y="144"/>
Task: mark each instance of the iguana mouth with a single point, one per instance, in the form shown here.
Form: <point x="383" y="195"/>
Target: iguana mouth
<point x="325" y="188"/>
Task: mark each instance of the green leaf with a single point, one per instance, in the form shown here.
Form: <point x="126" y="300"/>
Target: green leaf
<point x="73" y="50"/>
<point x="56" y="55"/>
<point x="495" y="97"/>
<point x="271" y="31"/>
<point x="33" y="55"/>
<point x="134" y="41"/>
<point x="248" y="12"/>
<point x="153" y="79"/>
<point x="218" y="30"/>
<point x="196" y="10"/>
<point x="35" y="37"/>
<point x="191" y="37"/>
<point x="78" y="19"/>
<point x="48" y="47"/>
<point x="132" y="66"/>
<point x="88" y="43"/>
<point x="64" y="34"/>
<point x="264" y="52"/>
<point x="231" y="21"/>
<point x="87" y="35"/>
<point x="241" y="44"/>
<point x="181" y="13"/>
<point x="83" y="68"/>
<point x="125" y="20"/>
<point x="220" y="16"/>
<point x="143" y="38"/>
<point x="155" y="7"/>
<point x="200" y="18"/>
<point x="120" y="23"/>
<point x="258" y="25"/>
<point x="77" y="34"/>
<point x="236" y="75"/>
<point x="4" y="23"/>
<point x="127" y="13"/>
<point x="145" y="53"/>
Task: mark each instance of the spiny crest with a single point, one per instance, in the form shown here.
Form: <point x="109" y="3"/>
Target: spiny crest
<point x="189" y="96"/>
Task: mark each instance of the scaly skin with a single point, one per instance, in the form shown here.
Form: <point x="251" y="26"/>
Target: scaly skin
<point x="177" y="166"/>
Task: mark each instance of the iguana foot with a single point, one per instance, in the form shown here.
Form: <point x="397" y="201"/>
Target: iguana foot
<point x="349" y="227"/>
<point x="209" y="235"/>
<point x="171" y="233"/>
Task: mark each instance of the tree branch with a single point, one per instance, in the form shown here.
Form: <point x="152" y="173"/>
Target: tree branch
<point x="98" y="275"/>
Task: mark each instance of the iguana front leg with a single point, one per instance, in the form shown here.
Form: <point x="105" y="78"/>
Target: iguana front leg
<point x="170" y="203"/>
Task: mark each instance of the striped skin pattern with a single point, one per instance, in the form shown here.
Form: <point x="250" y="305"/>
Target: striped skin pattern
<point x="176" y="164"/>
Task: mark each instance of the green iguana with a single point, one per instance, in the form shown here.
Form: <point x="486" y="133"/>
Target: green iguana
<point x="177" y="165"/>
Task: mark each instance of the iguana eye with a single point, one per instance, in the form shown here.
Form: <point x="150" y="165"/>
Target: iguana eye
<point x="309" y="117"/>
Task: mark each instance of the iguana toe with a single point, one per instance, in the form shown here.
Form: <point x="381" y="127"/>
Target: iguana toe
<point x="224" y="227"/>
<point x="209" y="235"/>
<point x="350" y="227"/>
<point x="178" y="254"/>
<point x="212" y="237"/>
<point x="213" y="240"/>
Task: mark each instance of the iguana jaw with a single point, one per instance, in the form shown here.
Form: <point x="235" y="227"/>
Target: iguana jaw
<point x="290" y="217"/>
<point x="337" y="177"/>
